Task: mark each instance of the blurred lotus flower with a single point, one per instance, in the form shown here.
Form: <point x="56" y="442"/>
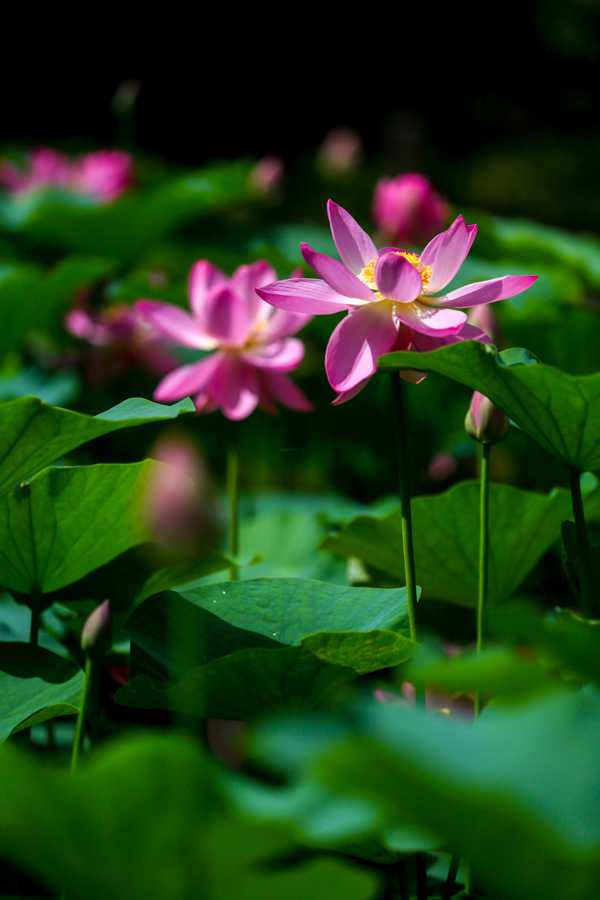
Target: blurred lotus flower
<point x="340" y="153"/>
<point x="103" y="176"/>
<point x="120" y="340"/>
<point x="390" y="298"/>
<point x="267" y="177"/>
<point x="408" y="210"/>
<point x="253" y="343"/>
<point x="485" y="422"/>
<point x="177" y="508"/>
<point x="96" y="634"/>
<point x="483" y="317"/>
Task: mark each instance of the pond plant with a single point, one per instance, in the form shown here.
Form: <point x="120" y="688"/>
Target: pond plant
<point x="344" y="698"/>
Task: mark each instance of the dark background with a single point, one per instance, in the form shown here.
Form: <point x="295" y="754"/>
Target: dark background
<point x="500" y="108"/>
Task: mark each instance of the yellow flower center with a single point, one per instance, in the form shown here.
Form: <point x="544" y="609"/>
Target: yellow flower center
<point x="367" y="275"/>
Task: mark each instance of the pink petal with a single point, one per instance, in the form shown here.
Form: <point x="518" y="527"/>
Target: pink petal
<point x="284" y="323"/>
<point x="412" y="376"/>
<point x="246" y="279"/>
<point x="228" y="317"/>
<point x="424" y="342"/>
<point x="235" y="388"/>
<point x="433" y="320"/>
<point x="337" y="276"/>
<point x="203" y="276"/>
<point x="344" y="396"/>
<point x="446" y="253"/>
<point x="396" y="278"/>
<point x="187" y="380"/>
<point x="279" y="356"/>
<point x="285" y="391"/>
<point x="486" y="291"/>
<point x="304" y="295"/>
<point x="176" y="324"/>
<point x="353" y="244"/>
<point x="357" y="342"/>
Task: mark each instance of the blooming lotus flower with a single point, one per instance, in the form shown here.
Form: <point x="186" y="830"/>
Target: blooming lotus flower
<point x="253" y="343"/>
<point x="408" y="209"/>
<point x="390" y="296"/>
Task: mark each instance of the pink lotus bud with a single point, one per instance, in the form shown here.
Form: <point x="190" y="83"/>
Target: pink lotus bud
<point x="408" y="210"/>
<point x="267" y="177"/>
<point x="176" y="509"/>
<point x="485" y="422"/>
<point x="96" y="634"/>
<point x="483" y="317"/>
<point x="228" y="740"/>
<point x="341" y="152"/>
<point x="441" y="466"/>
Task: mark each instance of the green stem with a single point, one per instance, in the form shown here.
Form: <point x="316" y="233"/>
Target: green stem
<point x="451" y="877"/>
<point x="483" y="556"/>
<point x="403" y="480"/>
<point x="421" y="876"/>
<point x="232" y="493"/>
<point x="80" y="727"/>
<point x="36" y="616"/>
<point x="588" y="604"/>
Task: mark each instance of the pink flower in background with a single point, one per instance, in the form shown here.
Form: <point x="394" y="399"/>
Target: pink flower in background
<point x="120" y="340"/>
<point x="103" y="175"/>
<point x="389" y="295"/>
<point x="253" y="343"/>
<point x="408" y="210"/>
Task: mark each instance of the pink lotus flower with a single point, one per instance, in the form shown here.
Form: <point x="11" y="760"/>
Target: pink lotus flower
<point x="389" y="295"/>
<point x="121" y="339"/>
<point x="408" y="209"/>
<point x="102" y="176"/>
<point x="253" y="343"/>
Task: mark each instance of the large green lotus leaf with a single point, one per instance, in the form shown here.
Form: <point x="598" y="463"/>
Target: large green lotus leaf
<point x="35" y="685"/>
<point x="244" y="649"/>
<point x="68" y="521"/>
<point x="33" y="434"/>
<point x="35" y="301"/>
<point x="288" y="609"/>
<point x="127" y="227"/>
<point x="523" y="526"/>
<point x="258" y="682"/>
<point x="559" y="411"/>
<point x="177" y="836"/>
<point x="517" y="795"/>
<point x="134" y="575"/>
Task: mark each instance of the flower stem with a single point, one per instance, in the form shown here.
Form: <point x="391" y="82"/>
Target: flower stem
<point x="451" y="877"/>
<point x="483" y="555"/>
<point x="588" y="602"/>
<point x="232" y="493"/>
<point x="36" y="616"/>
<point x="403" y="480"/>
<point x="80" y="727"/>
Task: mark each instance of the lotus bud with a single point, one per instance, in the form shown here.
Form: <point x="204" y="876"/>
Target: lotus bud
<point x="408" y="210"/>
<point x="340" y="154"/>
<point x="96" y="634"/>
<point x="485" y="422"/>
<point x="267" y="177"/>
<point x="177" y="509"/>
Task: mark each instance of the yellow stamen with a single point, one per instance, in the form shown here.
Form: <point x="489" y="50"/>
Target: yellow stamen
<point x="367" y="275"/>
